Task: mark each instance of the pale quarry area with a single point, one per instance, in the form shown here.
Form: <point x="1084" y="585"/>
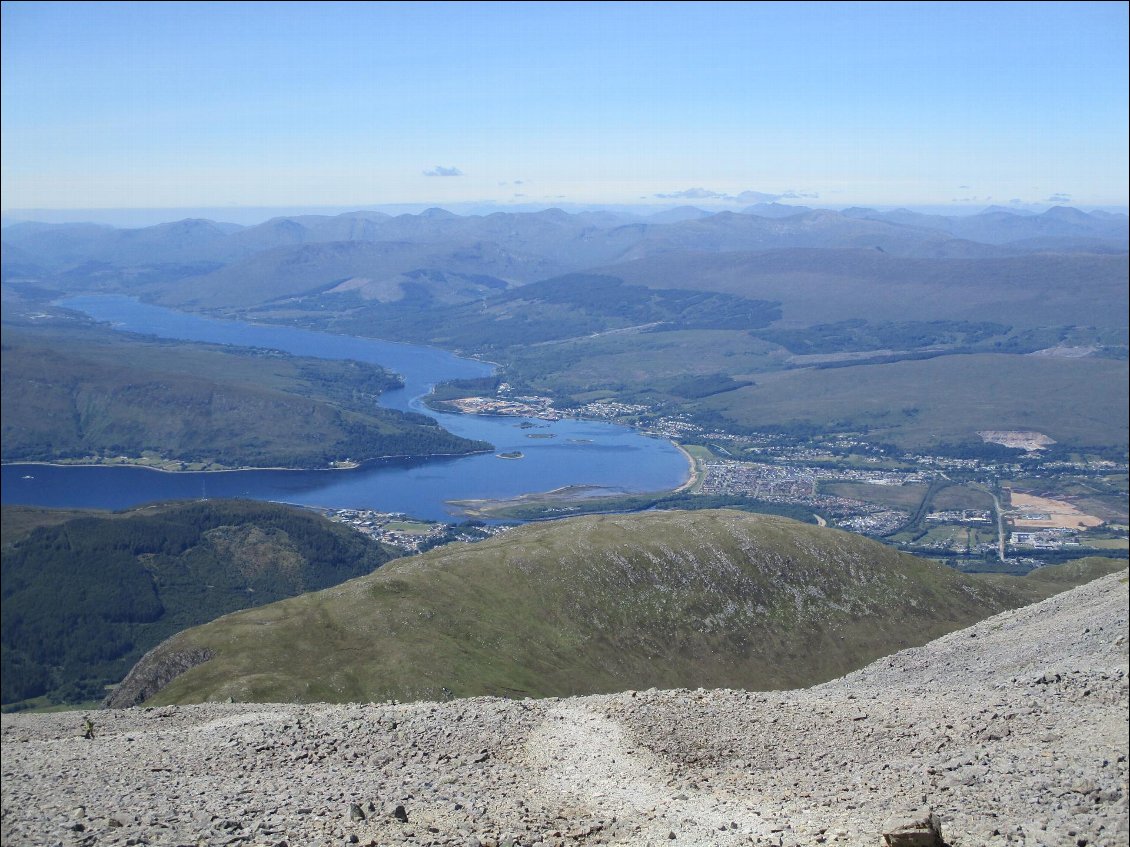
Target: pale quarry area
<point x="1019" y="439"/>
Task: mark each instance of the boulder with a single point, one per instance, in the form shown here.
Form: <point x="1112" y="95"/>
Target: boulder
<point x="920" y="828"/>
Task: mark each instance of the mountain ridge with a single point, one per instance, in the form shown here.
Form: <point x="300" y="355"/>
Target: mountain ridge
<point x="604" y="603"/>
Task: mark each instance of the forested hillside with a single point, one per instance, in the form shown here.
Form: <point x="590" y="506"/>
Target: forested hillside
<point x="84" y="599"/>
<point x="89" y="393"/>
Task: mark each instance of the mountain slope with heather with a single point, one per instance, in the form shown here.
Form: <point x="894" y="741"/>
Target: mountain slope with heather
<point x="579" y="606"/>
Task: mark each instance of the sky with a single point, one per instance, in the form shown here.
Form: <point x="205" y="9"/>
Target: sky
<point x="173" y="105"/>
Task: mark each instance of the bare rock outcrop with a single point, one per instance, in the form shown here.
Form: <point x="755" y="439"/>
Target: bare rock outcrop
<point x="914" y="829"/>
<point x="154" y="671"/>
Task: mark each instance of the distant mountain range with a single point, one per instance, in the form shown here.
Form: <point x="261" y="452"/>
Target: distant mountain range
<point x="573" y="241"/>
<point x="458" y="258"/>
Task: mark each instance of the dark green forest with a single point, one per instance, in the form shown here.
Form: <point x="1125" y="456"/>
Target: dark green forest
<point x="83" y="600"/>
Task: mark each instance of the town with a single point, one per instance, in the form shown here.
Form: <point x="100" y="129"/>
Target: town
<point x="409" y="534"/>
<point x="962" y="510"/>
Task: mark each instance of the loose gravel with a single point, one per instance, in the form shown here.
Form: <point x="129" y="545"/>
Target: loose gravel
<point x="1013" y="731"/>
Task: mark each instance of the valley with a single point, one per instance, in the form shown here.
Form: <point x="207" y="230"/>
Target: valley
<point x="86" y="594"/>
<point x="899" y="391"/>
<point x="564" y="424"/>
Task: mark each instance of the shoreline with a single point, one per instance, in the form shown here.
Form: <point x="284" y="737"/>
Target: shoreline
<point x="693" y="479"/>
<point x="172" y="466"/>
<point x="485" y="508"/>
<point x="352" y="466"/>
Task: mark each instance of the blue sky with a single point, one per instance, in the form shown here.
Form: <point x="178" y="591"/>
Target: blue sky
<point x="229" y="104"/>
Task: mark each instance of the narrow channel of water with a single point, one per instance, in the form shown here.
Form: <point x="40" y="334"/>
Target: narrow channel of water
<point x="562" y="453"/>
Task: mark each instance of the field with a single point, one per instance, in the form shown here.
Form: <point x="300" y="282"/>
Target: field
<point x="1059" y="513"/>
<point x="961" y="497"/>
<point x="897" y="496"/>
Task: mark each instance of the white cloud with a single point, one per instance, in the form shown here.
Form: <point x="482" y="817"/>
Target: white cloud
<point x="748" y="196"/>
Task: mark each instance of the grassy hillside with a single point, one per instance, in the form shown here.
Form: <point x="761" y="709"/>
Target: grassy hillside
<point x="590" y="604"/>
<point x="943" y="400"/>
<point x="576" y="305"/>
<point x="824" y="286"/>
<point x="80" y="393"/>
<point x="84" y="597"/>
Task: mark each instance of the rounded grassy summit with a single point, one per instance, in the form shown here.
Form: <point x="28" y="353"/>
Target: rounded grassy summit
<point x="592" y="604"/>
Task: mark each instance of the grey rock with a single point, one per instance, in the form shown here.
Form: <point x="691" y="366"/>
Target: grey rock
<point x="914" y="829"/>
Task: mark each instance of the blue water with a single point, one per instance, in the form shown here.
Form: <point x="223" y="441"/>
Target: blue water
<point x="580" y="453"/>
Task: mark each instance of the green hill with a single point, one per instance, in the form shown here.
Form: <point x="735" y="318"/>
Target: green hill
<point x="814" y="285"/>
<point x="933" y="402"/>
<point x="85" y="597"/>
<point x="78" y="393"/>
<point x="591" y="604"/>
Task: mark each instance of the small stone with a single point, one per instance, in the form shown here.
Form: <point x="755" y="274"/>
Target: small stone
<point x="401" y="814"/>
<point x="356" y="813"/>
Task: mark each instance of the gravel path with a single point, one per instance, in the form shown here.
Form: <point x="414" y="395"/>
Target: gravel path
<point x="1014" y="731"/>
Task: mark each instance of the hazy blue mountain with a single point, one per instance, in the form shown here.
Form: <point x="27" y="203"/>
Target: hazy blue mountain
<point x="1059" y="228"/>
<point x="377" y="270"/>
<point x="775" y="210"/>
<point x="1009" y="210"/>
<point x="680" y="213"/>
<point x="205" y="262"/>
<point x="58" y="246"/>
<point x="55" y="245"/>
<point x="729" y="231"/>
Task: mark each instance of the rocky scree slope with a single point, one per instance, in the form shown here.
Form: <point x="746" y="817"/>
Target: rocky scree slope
<point x="1014" y="730"/>
<point x="586" y="605"/>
